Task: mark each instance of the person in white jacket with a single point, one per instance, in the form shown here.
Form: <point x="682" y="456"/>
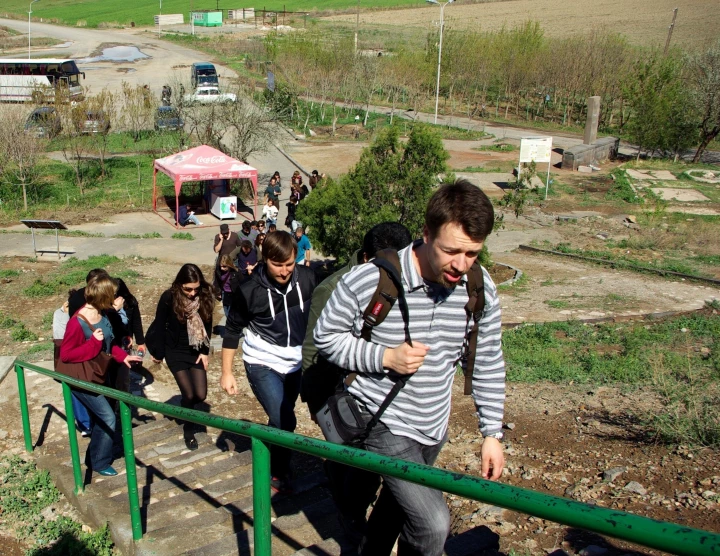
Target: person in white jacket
<point x="270" y="212"/>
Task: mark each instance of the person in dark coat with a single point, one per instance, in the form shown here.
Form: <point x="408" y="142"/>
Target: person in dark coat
<point x="183" y="324"/>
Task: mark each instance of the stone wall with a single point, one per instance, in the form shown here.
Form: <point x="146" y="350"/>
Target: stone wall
<point x="605" y="148"/>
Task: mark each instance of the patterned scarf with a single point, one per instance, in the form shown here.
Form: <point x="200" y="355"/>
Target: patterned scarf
<point x="195" y="327"/>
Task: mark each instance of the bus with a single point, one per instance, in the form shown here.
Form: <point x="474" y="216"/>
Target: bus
<point x="36" y="80"/>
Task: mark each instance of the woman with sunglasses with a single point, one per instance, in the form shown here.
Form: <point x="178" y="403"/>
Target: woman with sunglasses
<point x="184" y="323"/>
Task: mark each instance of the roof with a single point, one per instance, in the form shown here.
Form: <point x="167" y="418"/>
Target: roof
<point x="203" y="163"/>
<point x="206" y="65"/>
<point x="35" y="60"/>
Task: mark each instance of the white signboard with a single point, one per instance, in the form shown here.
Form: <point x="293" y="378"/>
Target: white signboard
<point x="538" y="149"/>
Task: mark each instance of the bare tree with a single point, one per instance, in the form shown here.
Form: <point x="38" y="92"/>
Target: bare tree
<point x="705" y="76"/>
<point x="21" y="151"/>
<point x="137" y="107"/>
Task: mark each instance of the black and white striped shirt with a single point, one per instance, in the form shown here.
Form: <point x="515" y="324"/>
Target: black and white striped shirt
<point x="437" y="319"/>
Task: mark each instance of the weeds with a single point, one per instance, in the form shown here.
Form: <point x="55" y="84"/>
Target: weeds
<point x="8" y="273"/>
<point x="19" y="333"/>
<point x="25" y="492"/>
<point x="183" y="236"/>
<point x="622" y="190"/>
<point x="680" y="357"/>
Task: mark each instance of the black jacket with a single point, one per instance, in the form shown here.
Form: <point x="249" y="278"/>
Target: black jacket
<point x="250" y="308"/>
<point x="168" y="331"/>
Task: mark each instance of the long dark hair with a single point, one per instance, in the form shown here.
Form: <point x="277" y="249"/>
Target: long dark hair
<point x="131" y="301"/>
<point x="188" y="274"/>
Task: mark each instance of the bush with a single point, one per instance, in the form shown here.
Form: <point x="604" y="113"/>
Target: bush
<point x="19" y="333"/>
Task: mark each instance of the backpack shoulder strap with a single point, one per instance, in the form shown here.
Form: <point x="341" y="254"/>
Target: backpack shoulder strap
<point x="474" y="309"/>
<point x="388" y="291"/>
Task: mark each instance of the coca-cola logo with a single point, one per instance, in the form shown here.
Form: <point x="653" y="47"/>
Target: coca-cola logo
<point x="206" y="176"/>
<point x="211" y="159"/>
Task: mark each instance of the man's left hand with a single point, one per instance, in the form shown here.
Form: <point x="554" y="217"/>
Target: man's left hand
<point x="493" y="459"/>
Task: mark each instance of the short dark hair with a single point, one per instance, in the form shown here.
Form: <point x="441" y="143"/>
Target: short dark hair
<point x="94" y="272"/>
<point x="383" y="236"/>
<point x="245" y="224"/>
<point x="246" y="244"/>
<point x="461" y="203"/>
<point x="279" y="246"/>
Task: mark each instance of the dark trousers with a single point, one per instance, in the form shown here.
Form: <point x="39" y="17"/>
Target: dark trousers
<point x="277" y="393"/>
<point x="416" y="513"/>
<point x="100" y="450"/>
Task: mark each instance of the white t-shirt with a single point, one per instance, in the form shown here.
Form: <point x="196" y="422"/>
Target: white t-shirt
<point x="270" y="212"/>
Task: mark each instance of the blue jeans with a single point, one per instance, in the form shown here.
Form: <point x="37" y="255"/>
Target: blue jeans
<point x="81" y="415"/>
<point x="100" y="449"/>
<point x="417" y="513"/>
<point x="277" y="393"/>
<point x="192" y="219"/>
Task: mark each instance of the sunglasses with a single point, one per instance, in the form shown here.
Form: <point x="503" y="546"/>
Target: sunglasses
<point x="190" y="290"/>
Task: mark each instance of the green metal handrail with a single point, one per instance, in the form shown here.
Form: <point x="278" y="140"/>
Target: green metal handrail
<point x="666" y="536"/>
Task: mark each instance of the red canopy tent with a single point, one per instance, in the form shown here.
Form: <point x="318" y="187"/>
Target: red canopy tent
<point x="200" y="164"/>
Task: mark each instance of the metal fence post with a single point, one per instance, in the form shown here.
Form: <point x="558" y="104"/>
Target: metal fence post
<point x="24" y="412"/>
<point x="129" y="447"/>
<point x="72" y="438"/>
<point x="261" y="498"/>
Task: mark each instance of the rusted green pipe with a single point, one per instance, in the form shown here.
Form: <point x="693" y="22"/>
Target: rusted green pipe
<point x="24" y="412"/>
<point x="72" y="438"/>
<point x="130" y="470"/>
<point x="669" y="537"/>
<point x="262" y="536"/>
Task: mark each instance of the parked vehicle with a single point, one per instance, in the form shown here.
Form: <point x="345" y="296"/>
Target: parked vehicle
<point x="209" y="95"/>
<point x="202" y="74"/>
<point x="43" y="122"/>
<point x="91" y="122"/>
<point x="26" y="80"/>
<point x="167" y="118"/>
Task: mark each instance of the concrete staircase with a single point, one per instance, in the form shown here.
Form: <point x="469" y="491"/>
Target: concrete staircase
<point x="193" y="502"/>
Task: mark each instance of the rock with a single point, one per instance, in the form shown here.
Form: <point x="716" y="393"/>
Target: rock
<point x="584" y="169"/>
<point x="510" y="426"/>
<point x="709" y="495"/>
<point x="635" y="487"/>
<point x="611" y="474"/>
<point x="602" y="236"/>
<point x="592" y="550"/>
<point x="312" y="134"/>
<point x="631" y="218"/>
<point x="3" y="434"/>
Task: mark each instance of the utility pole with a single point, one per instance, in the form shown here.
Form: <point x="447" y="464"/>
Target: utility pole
<point x="357" y="26"/>
<point x="670" y="32"/>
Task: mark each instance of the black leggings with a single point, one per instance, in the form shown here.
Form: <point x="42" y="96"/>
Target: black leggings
<point x="193" y="386"/>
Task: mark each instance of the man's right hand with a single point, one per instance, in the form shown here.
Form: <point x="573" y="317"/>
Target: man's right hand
<point x="228" y="383"/>
<point x="404" y="359"/>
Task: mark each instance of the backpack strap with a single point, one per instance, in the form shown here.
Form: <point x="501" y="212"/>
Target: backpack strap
<point x="388" y="291"/>
<point x="474" y="309"/>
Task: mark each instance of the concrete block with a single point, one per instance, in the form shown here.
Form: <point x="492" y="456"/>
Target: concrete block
<point x="584" y="169"/>
<point x="683" y="195"/>
<point x="603" y="149"/>
<point x="7" y="363"/>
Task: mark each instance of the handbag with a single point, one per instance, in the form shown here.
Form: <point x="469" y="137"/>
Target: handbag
<point x="93" y="370"/>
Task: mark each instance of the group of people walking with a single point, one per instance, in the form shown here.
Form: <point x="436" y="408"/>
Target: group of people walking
<point x="301" y="338"/>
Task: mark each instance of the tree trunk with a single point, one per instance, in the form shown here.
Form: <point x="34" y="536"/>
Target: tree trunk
<point x="24" y="196"/>
<point x="704" y="143"/>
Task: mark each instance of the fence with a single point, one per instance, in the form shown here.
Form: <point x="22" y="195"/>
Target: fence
<point x="669" y="537"/>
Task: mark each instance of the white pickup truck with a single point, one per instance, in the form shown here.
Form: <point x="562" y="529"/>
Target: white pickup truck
<point x="209" y="95"/>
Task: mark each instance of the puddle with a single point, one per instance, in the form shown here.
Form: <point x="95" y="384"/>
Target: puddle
<point x="117" y="54"/>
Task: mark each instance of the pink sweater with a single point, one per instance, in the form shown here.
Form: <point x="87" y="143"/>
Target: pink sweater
<point x="76" y="349"/>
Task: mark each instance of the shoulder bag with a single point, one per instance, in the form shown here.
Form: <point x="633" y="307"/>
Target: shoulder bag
<point x="93" y="370"/>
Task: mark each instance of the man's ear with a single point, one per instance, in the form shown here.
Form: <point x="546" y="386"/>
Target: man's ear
<point x="365" y="258"/>
<point x="426" y="234"/>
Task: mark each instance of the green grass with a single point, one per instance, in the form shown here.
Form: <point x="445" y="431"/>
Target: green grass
<point x="117" y="12"/>
<point x="498" y="148"/>
<point x="72" y="274"/>
<point x="150" y="235"/>
<point x="25" y="492"/>
<point x="9" y="273"/>
<point x="42" y="348"/>
<point x="679" y="358"/>
<point x="185" y="236"/>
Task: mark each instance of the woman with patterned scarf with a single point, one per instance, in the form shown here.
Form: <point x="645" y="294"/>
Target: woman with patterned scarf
<point x="183" y="324"/>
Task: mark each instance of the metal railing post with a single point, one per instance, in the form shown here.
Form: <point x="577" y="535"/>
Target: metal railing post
<point x="261" y="498"/>
<point x="72" y="438"/>
<point x="22" y="393"/>
<point x="129" y="447"/>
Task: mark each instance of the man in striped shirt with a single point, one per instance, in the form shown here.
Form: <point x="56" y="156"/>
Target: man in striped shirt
<point x="414" y="427"/>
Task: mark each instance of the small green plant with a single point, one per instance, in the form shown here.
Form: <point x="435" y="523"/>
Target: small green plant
<point x="39" y="348"/>
<point x="556" y="303"/>
<point x="9" y="273"/>
<point x="497" y="147"/>
<point x="127" y="236"/>
<point x="47" y="320"/>
<point x="152" y="235"/>
<point x="20" y="333"/>
<point x="713" y="304"/>
<point x="518" y="196"/>
<point x="183" y="236"/>
<point x="6" y="321"/>
<point x="39" y="288"/>
<point x="622" y="190"/>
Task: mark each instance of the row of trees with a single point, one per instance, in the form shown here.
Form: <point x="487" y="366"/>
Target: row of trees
<point x="238" y="129"/>
<point x="515" y="73"/>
